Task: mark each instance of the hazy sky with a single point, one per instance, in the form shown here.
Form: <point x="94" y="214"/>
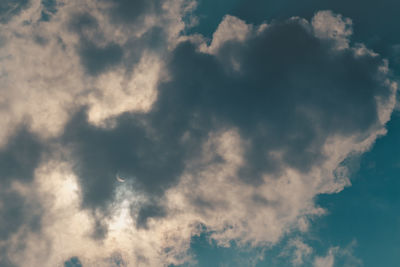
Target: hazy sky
<point x="199" y="133"/>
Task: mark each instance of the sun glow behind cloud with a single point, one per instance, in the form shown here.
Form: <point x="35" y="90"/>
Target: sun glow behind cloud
<point x="208" y="136"/>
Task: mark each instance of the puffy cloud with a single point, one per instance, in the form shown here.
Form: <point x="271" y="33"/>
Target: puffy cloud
<point x="235" y="138"/>
<point x="333" y="27"/>
<point x="64" y="58"/>
<point x="230" y="29"/>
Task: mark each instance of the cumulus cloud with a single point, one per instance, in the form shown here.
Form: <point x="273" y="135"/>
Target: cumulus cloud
<point x="333" y="27"/>
<point x="230" y="29"/>
<point x="68" y="61"/>
<point x="235" y="137"/>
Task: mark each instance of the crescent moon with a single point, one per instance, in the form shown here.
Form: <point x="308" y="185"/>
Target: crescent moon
<point x="119" y="179"/>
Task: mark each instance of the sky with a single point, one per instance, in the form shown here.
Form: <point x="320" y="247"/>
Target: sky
<point x="199" y="133"/>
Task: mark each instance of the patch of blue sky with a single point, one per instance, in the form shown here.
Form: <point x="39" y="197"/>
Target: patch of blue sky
<point x="368" y="211"/>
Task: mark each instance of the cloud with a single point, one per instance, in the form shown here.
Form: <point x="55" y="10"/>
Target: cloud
<point x="10" y="8"/>
<point x="73" y="262"/>
<point x="98" y="59"/>
<point x="230" y="29"/>
<point x="21" y="156"/>
<point x="326" y="261"/>
<point x="130" y="11"/>
<point x="21" y="214"/>
<point x="19" y="211"/>
<point x="235" y="138"/>
<point x="333" y="27"/>
<point x="80" y="39"/>
<point x="299" y="251"/>
<point x="337" y="256"/>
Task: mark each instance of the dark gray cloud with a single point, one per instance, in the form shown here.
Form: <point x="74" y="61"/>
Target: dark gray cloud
<point x="283" y="91"/>
<point x="4" y="260"/>
<point x="97" y="59"/>
<point x="20" y="157"/>
<point x="17" y="211"/>
<point x="49" y="9"/>
<point x="129" y="150"/>
<point x="10" y="8"/>
<point x="115" y="260"/>
<point x="18" y="161"/>
<point x="148" y="211"/>
<point x="73" y="262"/>
<point x="80" y="22"/>
<point x="291" y="93"/>
<point x="130" y="11"/>
<point x="94" y="58"/>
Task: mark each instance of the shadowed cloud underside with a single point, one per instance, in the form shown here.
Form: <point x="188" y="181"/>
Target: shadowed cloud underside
<point x="124" y="136"/>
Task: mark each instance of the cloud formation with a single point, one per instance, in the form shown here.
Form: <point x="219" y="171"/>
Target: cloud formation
<point x="337" y="256"/>
<point x="234" y="137"/>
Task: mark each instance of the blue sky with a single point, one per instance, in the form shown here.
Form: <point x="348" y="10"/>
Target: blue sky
<point x="199" y="133"/>
<point x="366" y="211"/>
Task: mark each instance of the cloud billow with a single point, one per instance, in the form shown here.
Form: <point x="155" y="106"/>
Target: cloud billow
<point x="291" y="93"/>
<point x="235" y="137"/>
<point x="125" y="11"/>
<point x="18" y="161"/>
<point x="285" y="91"/>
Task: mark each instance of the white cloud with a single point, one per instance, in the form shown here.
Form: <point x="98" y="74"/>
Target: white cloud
<point x="326" y="261"/>
<point x="231" y="28"/>
<point x="43" y="81"/>
<point x="117" y="93"/>
<point x="330" y="26"/>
